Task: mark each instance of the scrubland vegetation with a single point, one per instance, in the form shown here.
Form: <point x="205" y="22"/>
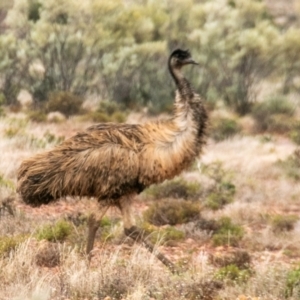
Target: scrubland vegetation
<point x="231" y="222"/>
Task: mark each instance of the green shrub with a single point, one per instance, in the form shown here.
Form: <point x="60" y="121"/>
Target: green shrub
<point x="293" y="284"/>
<point x="222" y="190"/>
<point x="295" y="133"/>
<point x="57" y="232"/>
<point x="280" y="123"/>
<point x="274" y="114"/>
<point x="282" y="223"/>
<point x="227" y="233"/>
<point x="207" y="225"/>
<point x="96" y="117"/>
<point x="172" y="212"/>
<point x="217" y="200"/>
<point x="224" y="128"/>
<point x="118" y="117"/>
<point x="53" y="139"/>
<point x="64" y="102"/>
<point x="178" y="189"/>
<point x="239" y="258"/>
<point x="168" y="235"/>
<point x="101" y="117"/>
<point x="108" y="111"/>
<point x="15" y="128"/>
<point x="8" y="243"/>
<point x="291" y="165"/>
<point x="295" y="136"/>
<point x="6" y="183"/>
<point x="106" y="225"/>
<point x="33" y="10"/>
<point x="2" y="101"/>
<point x="37" y="116"/>
<point x="199" y="289"/>
<point x="109" y="107"/>
<point x="112" y="111"/>
<point x="233" y="273"/>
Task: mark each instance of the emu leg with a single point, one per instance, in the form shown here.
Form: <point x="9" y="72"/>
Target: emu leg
<point x="93" y="226"/>
<point x="138" y="235"/>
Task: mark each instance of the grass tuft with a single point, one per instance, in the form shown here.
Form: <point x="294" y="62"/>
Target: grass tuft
<point x="224" y="128"/>
<point x="293" y="284"/>
<point x="54" y="233"/>
<point x="233" y="273"/>
<point x="222" y="190"/>
<point x="172" y="212"/>
<point x="177" y="189"/>
<point x="273" y="115"/>
<point x="8" y="243"/>
<point x="281" y="223"/>
<point x="227" y="233"/>
<point x="64" y="102"/>
<point x="291" y="165"/>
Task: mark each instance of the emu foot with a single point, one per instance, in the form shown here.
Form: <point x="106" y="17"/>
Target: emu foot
<point x="138" y="235"/>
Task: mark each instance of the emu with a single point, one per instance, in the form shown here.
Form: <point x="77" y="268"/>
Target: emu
<point x="114" y="162"/>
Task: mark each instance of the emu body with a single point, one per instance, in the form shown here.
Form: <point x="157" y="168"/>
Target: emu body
<point x="113" y="162"/>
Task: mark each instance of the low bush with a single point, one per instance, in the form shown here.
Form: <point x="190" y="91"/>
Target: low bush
<point x="37" y="116"/>
<point x="291" y="165"/>
<point x="224" y="128"/>
<point x="293" y="284"/>
<point x="9" y="243"/>
<point x="101" y="117"/>
<point x="4" y="182"/>
<point x="177" y="188"/>
<point x="64" y="102"/>
<point x="227" y="233"/>
<point x="295" y="133"/>
<point x="280" y="123"/>
<point x="53" y="233"/>
<point x="113" y="112"/>
<point x="2" y="101"/>
<point x="107" y="111"/>
<point x="53" y="139"/>
<point x="282" y="223"/>
<point x="239" y="258"/>
<point x="172" y="212"/>
<point x="48" y="255"/>
<point x="222" y="190"/>
<point x="218" y="199"/>
<point x="106" y="225"/>
<point x="207" y="225"/>
<point x="233" y="273"/>
<point x="273" y="115"/>
<point x="15" y="128"/>
<point x="201" y="290"/>
<point x="169" y="236"/>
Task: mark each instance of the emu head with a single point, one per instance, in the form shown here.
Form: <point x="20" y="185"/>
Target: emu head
<point x="179" y="58"/>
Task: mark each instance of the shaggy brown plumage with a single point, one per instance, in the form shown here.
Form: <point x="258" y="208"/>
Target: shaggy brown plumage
<point x="112" y="161"/>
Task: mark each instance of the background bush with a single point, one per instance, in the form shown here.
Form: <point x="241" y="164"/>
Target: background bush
<point x="274" y="114"/>
<point x="64" y="102"/>
<point x="224" y="128"/>
<point x="119" y="50"/>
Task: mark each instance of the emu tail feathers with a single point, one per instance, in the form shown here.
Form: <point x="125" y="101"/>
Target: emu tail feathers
<point x="31" y="187"/>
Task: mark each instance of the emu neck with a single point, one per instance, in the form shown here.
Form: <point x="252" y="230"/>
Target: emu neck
<point x="183" y="86"/>
<point x="190" y="114"/>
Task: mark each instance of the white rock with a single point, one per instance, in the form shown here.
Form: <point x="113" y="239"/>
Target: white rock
<point x="56" y="116"/>
<point x="25" y="98"/>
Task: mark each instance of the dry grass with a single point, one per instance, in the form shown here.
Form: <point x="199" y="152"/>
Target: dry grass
<point x="121" y="270"/>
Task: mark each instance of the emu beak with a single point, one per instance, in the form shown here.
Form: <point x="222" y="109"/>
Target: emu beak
<point x="191" y="61"/>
